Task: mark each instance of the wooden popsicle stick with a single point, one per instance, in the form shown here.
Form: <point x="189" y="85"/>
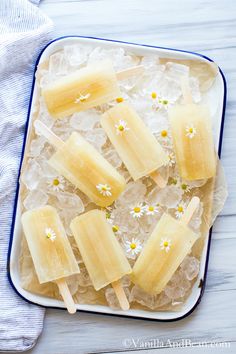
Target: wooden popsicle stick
<point x="158" y="179"/>
<point x="121" y="296"/>
<point x="126" y="73"/>
<point x="186" y="90"/>
<point x="48" y="134"/>
<point x="191" y="208"/>
<point x="66" y="295"/>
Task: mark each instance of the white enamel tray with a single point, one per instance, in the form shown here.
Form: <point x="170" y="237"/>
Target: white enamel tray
<point x="215" y="98"/>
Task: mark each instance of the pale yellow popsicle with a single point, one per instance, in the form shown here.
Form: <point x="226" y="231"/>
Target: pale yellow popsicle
<point x="166" y="248"/>
<point x="133" y="141"/>
<point x="50" y="249"/>
<point x="193" y="141"/>
<point x="86" y="168"/>
<point x="88" y="87"/>
<point x="99" y="248"/>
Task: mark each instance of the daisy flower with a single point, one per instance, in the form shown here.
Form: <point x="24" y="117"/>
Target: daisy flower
<point x="180" y="209"/>
<point x="164" y="136"/>
<point x="57" y="183"/>
<point x="82" y="98"/>
<point x="50" y="234"/>
<point x="171" y="159"/>
<point x="121" y="127"/>
<point x="116" y="229"/>
<point x="154" y="95"/>
<point x="119" y="99"/>
<point x="104" y="189"/>
<point x="185" y="187"/>
<point x="133" y="247"/>
<point x="165" y="244"/>
<point x="174" y="180"/>
<point x="151" y="209"/>
<point x="137" y="211"/>
<point x="190" y="131"/>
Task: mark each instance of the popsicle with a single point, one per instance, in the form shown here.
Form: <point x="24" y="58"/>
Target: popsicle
<point x="193" y="139"/>
<point x="101" y="252"/>
<point x="88" y="87"/>
<point x="166" y="248"/>
<point x="135" y="144"/>
<point x="50" y="249"/>
<point x="80" y="163"/>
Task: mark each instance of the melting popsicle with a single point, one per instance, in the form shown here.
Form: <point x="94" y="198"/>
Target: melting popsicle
<point x="80" y="163"/>
<point x="193" y="139"/>
<point x="166" y="248"/>
<point x="101" y="252"/>
<point x="88" y="87"/>
<point x="50" y="249"/>
<point x="135" y="144"/>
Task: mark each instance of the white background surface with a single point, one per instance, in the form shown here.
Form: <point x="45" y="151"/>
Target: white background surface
<point x="208" y="27"/>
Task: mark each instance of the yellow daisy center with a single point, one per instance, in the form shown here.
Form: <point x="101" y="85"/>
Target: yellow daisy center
<point x="133" y="246"/>
<point x="164" y="133"/>
<point x="115" y="228"/>
<point x="108" y="215"/>
<point x="121" y="128"/>
<point x="154" y="95"/>
<point x="48" y="235"/>
<point x="166" y="244"/>
<point x="137" y="209"/>
<point x="151" y="208"/>
<point x="180" y="209"/>
<point x="119" y="99"/>
<point x="165" y="101"/>
<point x="56" y="182"/>
<point x="190" y="130"/>
<point x="104" y="188"/>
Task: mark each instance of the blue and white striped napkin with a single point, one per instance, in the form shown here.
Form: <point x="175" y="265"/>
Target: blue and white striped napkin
<point x="24" y="30"/>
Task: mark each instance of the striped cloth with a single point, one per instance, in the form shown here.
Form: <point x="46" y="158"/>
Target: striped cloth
<point x="24" y="30"/>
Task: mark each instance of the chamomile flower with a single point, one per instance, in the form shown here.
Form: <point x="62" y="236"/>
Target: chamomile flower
<point x="121" y="127"/>
<point x="180" y="209"/>
<point x="119" y="99"/>
<point x="163" y="103"/>
<point x="164" y="136"/>
<point x="133" y="247"/>
<point x="116" y="229"/>
<point x="82" y="98"/>
<point x="57" y="183"/>
<point x="50" y="234"/>
<point x="153" y="95"/>
<point x="109" y="217"/>
<point x="137" y="211"/>
<point x="165" y="244"/>
<point x="174" y="180"/>
<point x="151" y="209"/>
<point x="185" y="187"/>
<point x="171" y="159"/>
<point x="190" y="131"/>
<point x="104" y="189"/>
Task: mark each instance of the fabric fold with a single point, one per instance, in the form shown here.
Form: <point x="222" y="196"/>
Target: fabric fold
<point x="24" y="31"/>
